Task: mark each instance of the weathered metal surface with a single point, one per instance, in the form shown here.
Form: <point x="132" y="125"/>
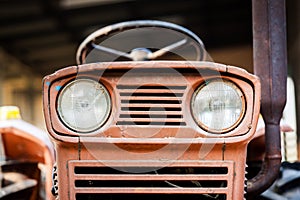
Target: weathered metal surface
<point x="136" y="146"/>
<point x="270" y="64"/>
<point x="223" y="176"/>
<point x="23" y="143"/>
<point x="112" y="80"/>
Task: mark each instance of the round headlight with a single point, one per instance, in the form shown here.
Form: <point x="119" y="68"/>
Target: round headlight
<point x="218" y="106"/>
<point x="83" y="105"/>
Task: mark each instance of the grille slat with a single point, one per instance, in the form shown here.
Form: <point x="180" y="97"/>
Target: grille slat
<point x="174" y="177"/>
<point x="142" y="190"/>
<point x="140" y="92"/>
<point x="151" y="105"/>
<point x="160" y="107"/>
<point x="137" y="112"/>
<point x="151" y="101"/>
<point x="153" y="120"/>
<point x="152" y="87"/>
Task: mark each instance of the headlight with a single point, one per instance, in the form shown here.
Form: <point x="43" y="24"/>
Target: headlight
<point x="83" y="105"/>
<point x="218" y="106"/>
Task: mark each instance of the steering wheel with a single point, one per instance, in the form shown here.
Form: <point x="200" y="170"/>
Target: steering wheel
<point x="140" y="41"/>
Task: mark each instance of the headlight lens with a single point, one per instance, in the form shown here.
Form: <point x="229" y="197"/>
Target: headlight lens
<point x="218" y="106"/>
<point x="84" y="105"/>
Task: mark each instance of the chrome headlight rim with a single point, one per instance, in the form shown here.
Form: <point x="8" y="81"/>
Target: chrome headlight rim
<point x="105" y="117"/>
<point x="240" y="94"/>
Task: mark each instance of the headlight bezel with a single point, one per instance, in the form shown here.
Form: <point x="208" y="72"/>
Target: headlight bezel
<point x="241" y="94"/>
<point x="106" y="116"/>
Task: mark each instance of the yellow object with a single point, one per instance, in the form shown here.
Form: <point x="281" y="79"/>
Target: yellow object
<point x="9" y="112"/>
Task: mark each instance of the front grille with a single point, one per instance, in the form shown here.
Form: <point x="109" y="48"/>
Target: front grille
<point x="151" y="105"/>
<point x="207" y="181"/>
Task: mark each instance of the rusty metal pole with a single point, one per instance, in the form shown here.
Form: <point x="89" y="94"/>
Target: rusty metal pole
<point x="270" y="64"/>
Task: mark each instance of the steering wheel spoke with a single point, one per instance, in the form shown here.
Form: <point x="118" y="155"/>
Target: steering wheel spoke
<point x="166" y="49"/>
<point x="112" y="51"/>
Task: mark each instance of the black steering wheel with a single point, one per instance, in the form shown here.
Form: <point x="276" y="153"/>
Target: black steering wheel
<point x="140" y="41"/>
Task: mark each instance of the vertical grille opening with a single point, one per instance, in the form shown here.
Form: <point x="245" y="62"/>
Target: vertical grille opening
<point x="151" y="105"/>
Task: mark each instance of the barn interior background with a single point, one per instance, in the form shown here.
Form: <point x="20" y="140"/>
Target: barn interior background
<point x="38" y="37"/>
